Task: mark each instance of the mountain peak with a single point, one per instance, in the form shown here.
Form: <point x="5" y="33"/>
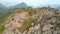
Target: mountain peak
<point x="2" y="6"/>
<point x="20" y="5"/>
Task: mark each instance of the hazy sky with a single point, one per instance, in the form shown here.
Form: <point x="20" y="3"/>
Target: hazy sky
<point x="29" y="2"/>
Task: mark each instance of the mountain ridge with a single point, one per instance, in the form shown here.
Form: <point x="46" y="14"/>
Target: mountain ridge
<point x="20" y="5"/>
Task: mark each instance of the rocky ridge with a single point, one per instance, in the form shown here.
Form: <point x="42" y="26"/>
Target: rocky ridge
<point x="44" y="24"/>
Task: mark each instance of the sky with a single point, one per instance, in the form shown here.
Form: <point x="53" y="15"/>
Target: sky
<point x="29" y="2"/>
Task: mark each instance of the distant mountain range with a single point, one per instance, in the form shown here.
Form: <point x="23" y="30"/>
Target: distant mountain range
<point x="20" y="5"/>
<point x="4" y="9"/>
<point x="55" y="6"/>
<point x="2" y="6"/>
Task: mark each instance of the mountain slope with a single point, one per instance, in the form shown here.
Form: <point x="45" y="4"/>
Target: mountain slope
<point x="3" y="8"/>
<point x="21" y="5"/>
<point x="26" y="21"/>
<point x="3" y="11"/>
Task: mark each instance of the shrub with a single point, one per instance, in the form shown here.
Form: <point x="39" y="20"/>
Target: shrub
<point x="27" y="23"/>
<point x="1" y="28"/>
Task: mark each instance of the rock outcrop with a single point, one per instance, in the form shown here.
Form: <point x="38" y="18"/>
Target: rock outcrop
<point x="46" y="17"/>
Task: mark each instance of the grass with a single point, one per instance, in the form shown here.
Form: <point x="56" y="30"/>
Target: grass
<point x="2" y="20"/>
<point x="27" y="23"/>
<point x="1" y="28"/>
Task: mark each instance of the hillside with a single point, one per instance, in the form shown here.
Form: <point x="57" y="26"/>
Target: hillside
<point x="5" y="11"/>
<point x="20" y="5"/>
<point x="44" y="20"/>
<point x="3" y="8"/>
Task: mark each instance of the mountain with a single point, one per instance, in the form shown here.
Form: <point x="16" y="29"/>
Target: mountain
<point x="55" y="6"/>
<point x="3" y="8"/>
<point x="45" y="21"/>
<point x="20" y="5"/>
<point x="2" y="5"/>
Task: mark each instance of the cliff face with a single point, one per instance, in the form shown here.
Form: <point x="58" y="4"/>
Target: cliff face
<point x="43" y="22"/>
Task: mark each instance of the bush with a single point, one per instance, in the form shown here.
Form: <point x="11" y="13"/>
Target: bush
<point x="27" y="23"/>
<point x="1" y="28"/>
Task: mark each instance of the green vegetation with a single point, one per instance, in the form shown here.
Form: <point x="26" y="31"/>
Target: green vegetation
<point x="27" y="22"/>
<point x="31" y="10"/>
<point x="58" y="33"/>
<point x="1" y="28"/>
<point x="4" y="16"/>
<point x="2" y="20"/>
